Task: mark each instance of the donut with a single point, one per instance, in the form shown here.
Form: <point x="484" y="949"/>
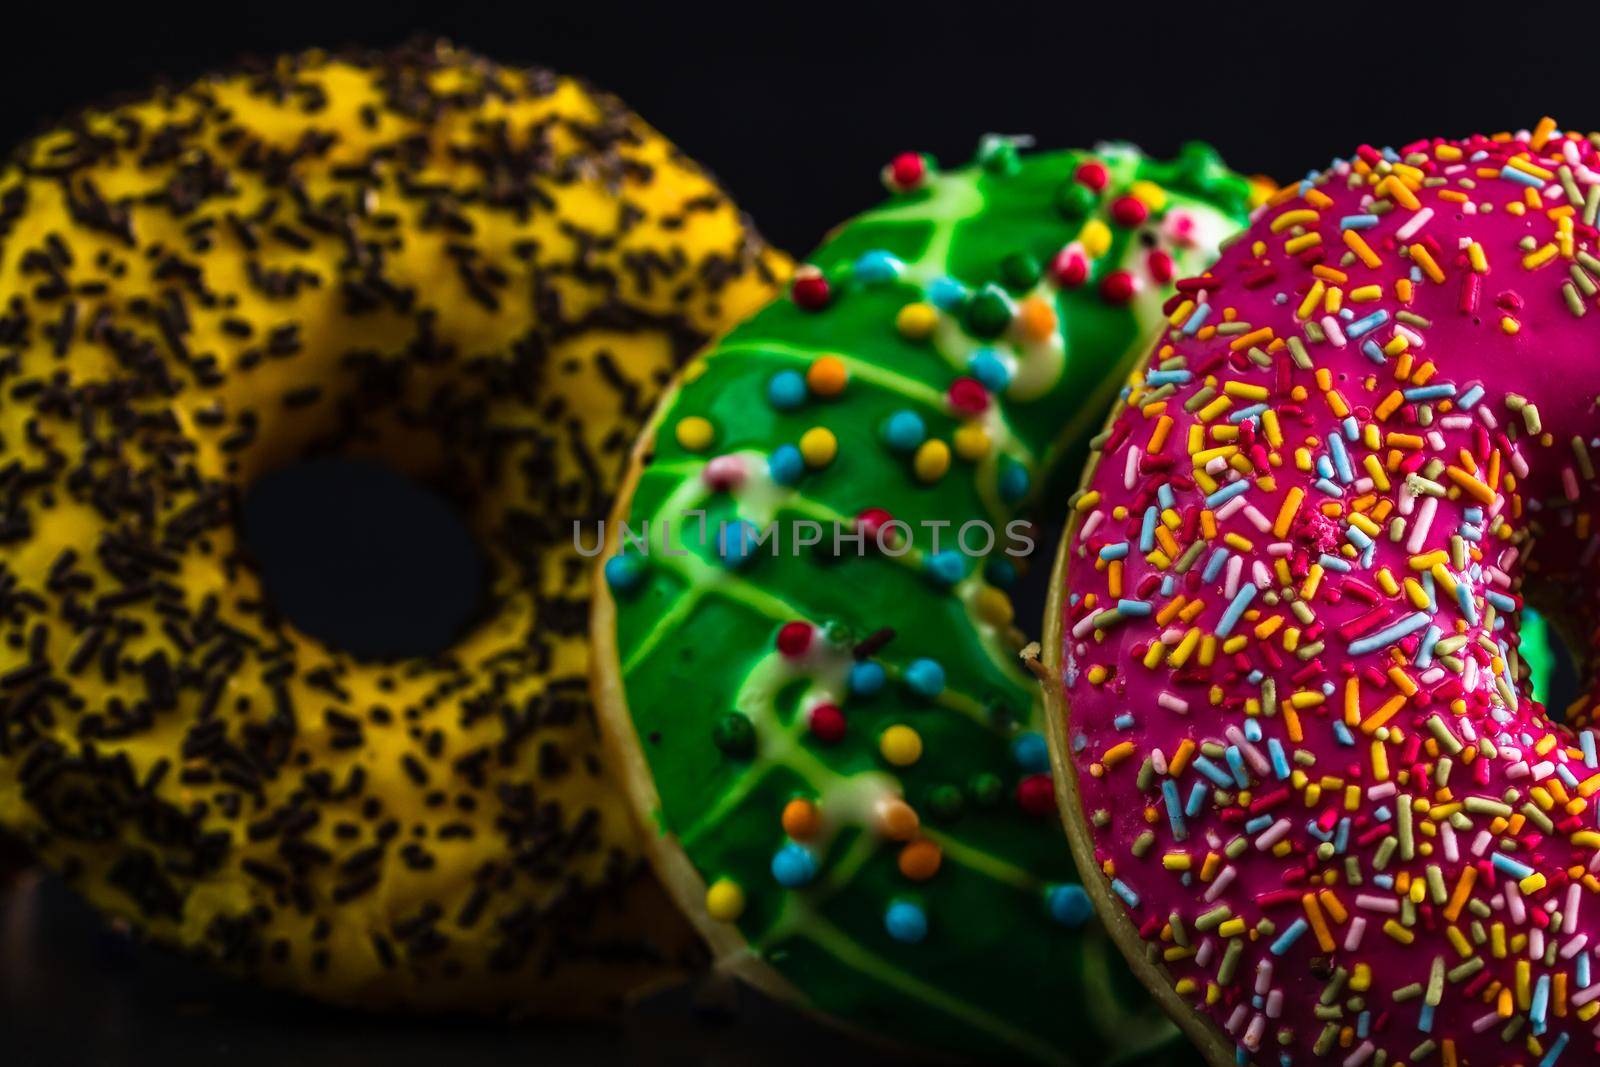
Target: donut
<point x="1291" y="723"/>
<point x="828" y="724"/>
<point x="1537" y="650"/>
<point x="475" y="275"/>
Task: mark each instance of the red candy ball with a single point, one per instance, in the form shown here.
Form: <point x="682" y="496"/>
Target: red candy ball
<point x="1117" y="287"/>
<point x="907" y="170"/>
<point x="810" y="290"/>
<point x="1092" y="173"/>
<point x="872" y="520"/>
<point x="1129" y="211"/>
<point x="723" y="473"/>
<point x="1070" y="268"/>
<point x="1036" y="795"/>
<point x="827" y="724"/>
<point x="794" y="639"/>
<point x="967" y="396"/>
<point x="1160" y="266"/>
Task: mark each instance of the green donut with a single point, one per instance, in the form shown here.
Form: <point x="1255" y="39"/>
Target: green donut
<point x="835" y="746"/>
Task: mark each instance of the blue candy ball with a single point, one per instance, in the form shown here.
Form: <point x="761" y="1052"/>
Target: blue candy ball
<point x="736" y="542"/>
<point x="925" y="677"/>
<point x="786" y="465"/>
<point x="866" y="678"/>
<point x="946" y="568"/>
<point x="989" y="369"/>
<point x="1014" y="481"/>
<point x="876" y="267"/>
<point x="623" y="572"/>
<point x="1069" y="905"/>
<point x="1001" y="573"/>
<point x="905" y="922"/>
<point x="904" y="431"/>
<point x="947" y="294"/>
<point x="793" y="866"/>
<point x="1031" y="752"/>
<point x="786" y="390"/>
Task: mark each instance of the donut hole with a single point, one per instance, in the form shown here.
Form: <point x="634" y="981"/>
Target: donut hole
<point x="364" y="558"/>
<point x="1554" y="671"/>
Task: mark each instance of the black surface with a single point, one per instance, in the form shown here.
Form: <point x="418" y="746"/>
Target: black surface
<point x="795" y="107"/>
<point x="74" y="994"/>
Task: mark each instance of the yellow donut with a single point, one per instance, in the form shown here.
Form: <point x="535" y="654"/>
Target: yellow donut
<point x="479" y="276"/>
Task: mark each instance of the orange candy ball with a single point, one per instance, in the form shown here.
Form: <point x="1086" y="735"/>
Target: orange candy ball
<point x="1036" y="319"/>
<point x="920" y="860"/>
<point x="800" y="819"/>
<point x="896" y="819"/>
<point x="827" y="376"/>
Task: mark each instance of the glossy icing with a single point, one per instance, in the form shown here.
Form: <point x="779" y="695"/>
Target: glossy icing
<point x="477" y="275"/>
<point x="839" y="748"/>
<point x="1303" y="749"/>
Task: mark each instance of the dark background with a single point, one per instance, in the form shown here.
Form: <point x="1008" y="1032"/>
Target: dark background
<point x="795" y="106"/>
<point x="796" y="103"/>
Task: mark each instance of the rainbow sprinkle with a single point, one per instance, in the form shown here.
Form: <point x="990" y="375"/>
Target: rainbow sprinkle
<point x="1359" y="840"/>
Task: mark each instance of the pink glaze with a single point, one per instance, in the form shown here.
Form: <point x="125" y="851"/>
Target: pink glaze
<point x="1352" y="743"/>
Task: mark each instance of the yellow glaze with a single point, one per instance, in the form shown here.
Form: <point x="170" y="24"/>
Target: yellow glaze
<point x="480" y="276"/>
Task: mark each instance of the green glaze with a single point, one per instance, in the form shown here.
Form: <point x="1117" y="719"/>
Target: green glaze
<point x="1538" y="655"/>
<point x="996" y="974"/>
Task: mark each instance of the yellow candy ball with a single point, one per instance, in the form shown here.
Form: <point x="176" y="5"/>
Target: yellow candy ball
<point x="917" y="321"/>
<point x="900" y="745"/>
<point x="818" y="446"/>
<point x="994" y="607"/>
<point x="972" y="442"/>
<point x="695" y="433"/>
<point x="1095" y="238"/>
<point x="725" y="900"/>
<point x="827" y="376"/>
<point x="932" y="460"/>
<point x="1153" y="196"/>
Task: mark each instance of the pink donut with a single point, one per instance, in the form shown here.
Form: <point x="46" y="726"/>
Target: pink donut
<point x="1292" y="725"/>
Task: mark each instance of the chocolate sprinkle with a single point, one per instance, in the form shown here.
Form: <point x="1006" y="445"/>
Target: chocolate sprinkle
<point x="396" y="255"/>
